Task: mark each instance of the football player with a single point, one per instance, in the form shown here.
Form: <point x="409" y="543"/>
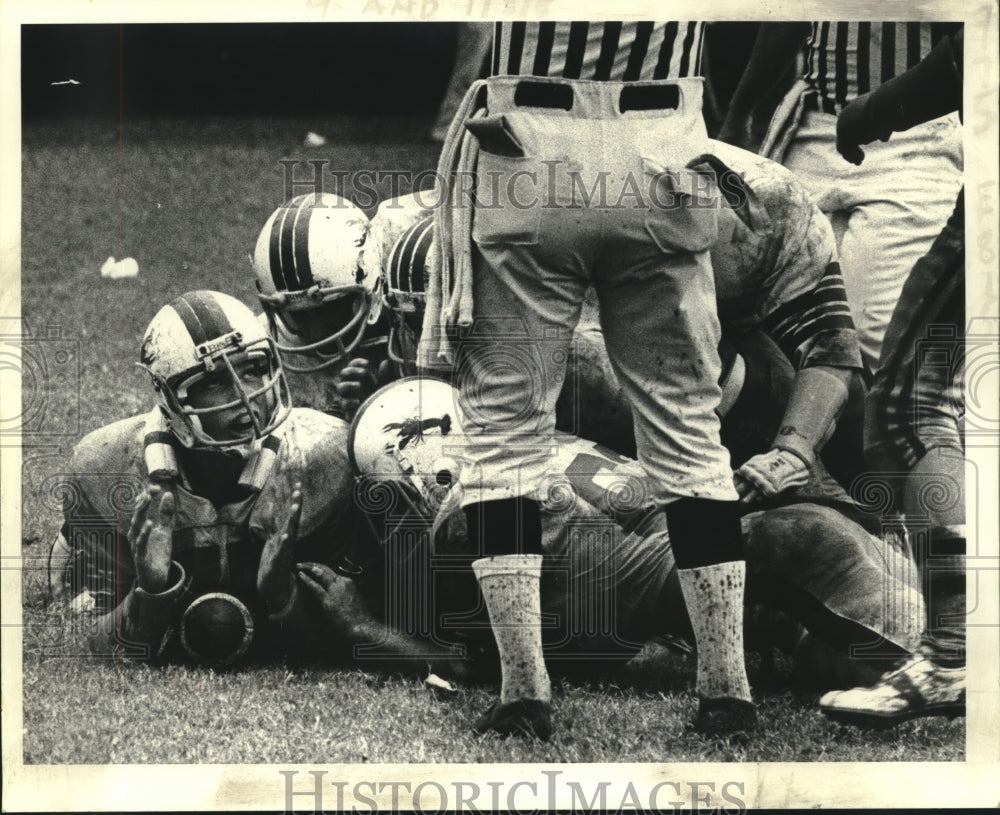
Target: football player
<point x="610" y="581"/>
<point x="321" y="300"/>
<point x="182" y="525"/>
<point x="775" y="271"/>
<point x="914" y="412"/>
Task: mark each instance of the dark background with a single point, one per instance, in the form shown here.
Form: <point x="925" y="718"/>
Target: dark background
<point x="267" y="68"/>
<point x="219" y="69"/>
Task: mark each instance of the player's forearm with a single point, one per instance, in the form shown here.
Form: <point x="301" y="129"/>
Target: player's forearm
<point x="137" y="627"/>
<point x="931" y="89"/>
<point x="818" y="396"/>
<point x="394" y="650"/>
<point x="775" y="48"/>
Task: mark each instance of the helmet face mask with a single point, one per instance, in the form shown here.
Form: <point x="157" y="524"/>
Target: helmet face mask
<point x="219" y="388"/>
<point x="305" y="317"/>
<point x="318" y="297"/>
<point x="406" y="325"/>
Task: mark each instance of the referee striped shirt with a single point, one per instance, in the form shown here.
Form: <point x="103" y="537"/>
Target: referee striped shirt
<point x="845" y="60"/>
<point x="598" y="50"/>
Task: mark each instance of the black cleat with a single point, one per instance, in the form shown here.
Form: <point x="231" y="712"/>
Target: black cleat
<point x="523" y="717"/>
<point x="726" y="717"/>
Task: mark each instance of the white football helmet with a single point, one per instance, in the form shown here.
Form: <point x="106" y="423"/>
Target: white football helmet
<point x="410" y="434"/>
<point x="201" y="333"/>
<point x="318" y="297"/>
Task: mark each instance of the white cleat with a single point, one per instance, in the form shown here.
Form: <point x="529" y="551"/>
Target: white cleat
<point x="917" y="688"/>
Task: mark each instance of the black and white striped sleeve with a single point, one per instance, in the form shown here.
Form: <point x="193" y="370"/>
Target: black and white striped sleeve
<point x="621" y="51"/>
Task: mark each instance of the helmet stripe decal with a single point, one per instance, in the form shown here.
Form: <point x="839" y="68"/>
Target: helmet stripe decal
<point x="213" y="319"/>
<point x="273" y="256"/>
<point x="190" y="320"/>
<point x="274" y="248"/>
<point x="303" y="269"/>
<point x="286" y="246"/>
<point x="409" y="255"/>
<point x="421" y="251"/>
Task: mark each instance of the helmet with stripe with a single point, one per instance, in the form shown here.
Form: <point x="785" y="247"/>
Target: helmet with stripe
<point x="317" y="295"/>
<point x="408" y="437"/>
<point x="405" y="292"/>
<point x="207" y="336"/>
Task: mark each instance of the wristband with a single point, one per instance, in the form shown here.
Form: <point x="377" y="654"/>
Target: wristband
<point x="173" y="586"/>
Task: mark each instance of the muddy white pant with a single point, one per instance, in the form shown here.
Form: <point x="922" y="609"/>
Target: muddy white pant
<point x="573" y="191"/>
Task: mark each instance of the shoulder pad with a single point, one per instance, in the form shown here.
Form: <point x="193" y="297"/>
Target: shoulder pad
<point x="106" y="474"/>
<point x="313" y="453"/>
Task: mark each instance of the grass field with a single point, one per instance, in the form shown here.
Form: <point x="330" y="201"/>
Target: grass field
<point x="186" y="199"/>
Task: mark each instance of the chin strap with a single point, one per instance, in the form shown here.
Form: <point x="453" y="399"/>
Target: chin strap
<point x="260" y="461"/>
<point x="158" y="439"/>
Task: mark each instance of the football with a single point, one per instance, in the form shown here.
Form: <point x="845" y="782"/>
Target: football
<point x="216" y="629"/>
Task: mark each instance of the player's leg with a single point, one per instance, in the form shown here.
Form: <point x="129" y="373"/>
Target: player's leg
<point x="846" y="586"/>
<point x="509" y="368"/>
<point x="899" y="200"/>
<point x="915" y="414"/>
<point x="662" y="335"/>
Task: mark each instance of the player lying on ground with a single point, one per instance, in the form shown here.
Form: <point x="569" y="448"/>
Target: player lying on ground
<point x="233" y="486"/>
<point x="819" y="584"/>
<point x="609" y="585"/>
<point x="231" y="476"/>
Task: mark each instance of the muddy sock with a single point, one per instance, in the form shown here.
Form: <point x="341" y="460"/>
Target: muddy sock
<point x="511" y="589"/>
<point x="714" y="598"/>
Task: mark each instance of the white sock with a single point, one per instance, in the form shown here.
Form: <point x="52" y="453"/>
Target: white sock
<point x="714" y="598"/>
<point x="511" y="586"/>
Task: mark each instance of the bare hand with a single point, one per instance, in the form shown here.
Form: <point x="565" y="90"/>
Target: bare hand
<point x="150" y="536"/>
<point x="338" y="596"/>
<point x="275" y="580"/>
<point x="355" y="383"/>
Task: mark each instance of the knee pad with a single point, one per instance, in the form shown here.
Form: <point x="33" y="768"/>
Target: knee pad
<point x="704" y="532"/>
<point x="507" y="527"/>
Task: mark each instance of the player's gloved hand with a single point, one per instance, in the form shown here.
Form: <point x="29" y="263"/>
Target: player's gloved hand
<point x="338" y="596"/>
<point x="150" y="536"/>
<point x="355" y="383"/>
<point x="860" y="123"/>
<point x="769" y="474"/>
<point x="275" y="579"/>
